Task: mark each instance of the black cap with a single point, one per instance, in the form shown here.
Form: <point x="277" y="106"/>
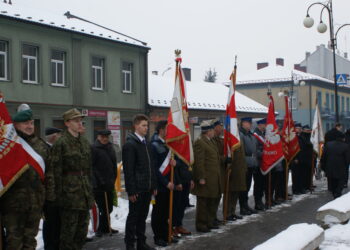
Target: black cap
<point x="297" y="125"/>
<point x="104" y="132"/>
<point x="50" y="131"/>
<point x="306" y="127"/>
<point x="262" y="121"/>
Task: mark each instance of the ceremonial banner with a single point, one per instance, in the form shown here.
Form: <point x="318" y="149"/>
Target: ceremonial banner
<point x="94" y="217"/>
<point x="15" y="153"/>
<point x="290" y="142"/>
<point x="317" y="138"/>
<point x="165" y="167"/>
<point x="178" y="137"/>
<point x="272" y="153"/>
<point x="231" y="132"/>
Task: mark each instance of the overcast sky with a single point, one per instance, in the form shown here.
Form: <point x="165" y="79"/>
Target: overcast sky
<point x="210" y="33"/>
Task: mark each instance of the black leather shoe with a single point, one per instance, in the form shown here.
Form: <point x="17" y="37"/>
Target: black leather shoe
<point x="130" y="247"/>
<point x="98" y="234"/>
<point x="260" y="207"/>
<point x="231" y="218"/>
<point x="251" y="210"/>
<point x="161" y="243"/>
<point x="245" y="211"/>
<point x="214" y="227"/>
<point x="114" y="231"/>
<point x="237" y="217"/>
<point x="203" y="230"/>
<point x="144" y="246"/>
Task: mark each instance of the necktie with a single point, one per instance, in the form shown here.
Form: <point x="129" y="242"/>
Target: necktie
<point x="144" y="141"/>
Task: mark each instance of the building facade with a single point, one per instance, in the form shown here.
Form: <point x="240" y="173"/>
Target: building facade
<point x="54" y="64"/>
<point x="303" y="90"/>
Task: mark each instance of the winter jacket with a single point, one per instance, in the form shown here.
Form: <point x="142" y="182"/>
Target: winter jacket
<point x="104" y="166"/>
<point x="238" y="166"/>
<point x="138" y="167"/>
<point x="260" y="145"/>
<point x="250" y="148"/>
<point x="336" y="159"/>
<point x="304" y="156"/>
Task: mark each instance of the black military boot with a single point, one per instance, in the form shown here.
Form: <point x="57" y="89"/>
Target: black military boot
<point x="259" y="205"/>
<point x="244" y="211"/>
<point x="144" y="246"/>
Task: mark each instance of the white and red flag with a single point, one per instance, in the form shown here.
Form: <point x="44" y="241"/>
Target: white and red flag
<point x="231" y="132"/>
<point x="290" y="142"/>
<point x="178" y="137"/>
<point x="317" y="138"/>
<point x="15" y="153"/>
<point x="272" y="153"/>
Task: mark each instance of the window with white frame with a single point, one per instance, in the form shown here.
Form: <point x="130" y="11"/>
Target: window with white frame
<point x="4" y="60"/>
<point x="97" y="73"/>
<point x="127" y="77"/>
<point x="58" y="59"/>
<point x="30" y="64"/>
<point x="293" y="100"/>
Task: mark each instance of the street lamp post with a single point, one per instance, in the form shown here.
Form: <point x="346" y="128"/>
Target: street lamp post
<point x="322" y="28"/>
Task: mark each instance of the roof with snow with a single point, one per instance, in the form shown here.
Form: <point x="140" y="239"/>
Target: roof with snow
<point x="200" y="96"/>
<point x="28" y="12"/>
<point x="276" y="73"/>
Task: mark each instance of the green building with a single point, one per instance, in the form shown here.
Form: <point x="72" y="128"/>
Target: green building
<point x="54" y="63"/>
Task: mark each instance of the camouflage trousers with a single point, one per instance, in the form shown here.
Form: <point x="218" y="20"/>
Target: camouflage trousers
<point x="21" y="229"/>
<point x="74" y="228"/>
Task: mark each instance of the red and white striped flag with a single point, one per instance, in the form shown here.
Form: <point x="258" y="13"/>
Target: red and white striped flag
<point x="231" y="132"/>
<point x="178" y="137"/>
<point x="165" y="167"/>
<point x="15" y="153"/>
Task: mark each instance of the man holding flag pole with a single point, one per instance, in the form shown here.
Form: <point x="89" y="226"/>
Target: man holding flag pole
<point x="178" y="137"/>
<point x="290" y="142"/>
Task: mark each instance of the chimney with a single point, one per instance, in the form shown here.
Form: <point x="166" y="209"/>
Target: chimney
<point x="307" y="54"/>
<point x="155" y="72"/>
<point x="346" y="55"/>
<point x="280" y="61"/>
<point x="262" y="65"/>
<point x="300" y="68"/>
<point x="187" y="73"/>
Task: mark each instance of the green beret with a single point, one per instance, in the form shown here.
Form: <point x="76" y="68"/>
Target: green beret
<point x="23" y="116"/>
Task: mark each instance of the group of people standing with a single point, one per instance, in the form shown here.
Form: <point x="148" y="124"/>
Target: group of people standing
<point x="76" y="175"/>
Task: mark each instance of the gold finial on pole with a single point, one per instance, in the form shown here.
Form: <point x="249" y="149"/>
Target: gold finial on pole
<point x="178" y="53"/>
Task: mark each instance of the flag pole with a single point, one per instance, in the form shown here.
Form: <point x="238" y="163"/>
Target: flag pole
<point x="227" y="189"/>
<point x="269" y="201"/>
<point x="170" y="221"/>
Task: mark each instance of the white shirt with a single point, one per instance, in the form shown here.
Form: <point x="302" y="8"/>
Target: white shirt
<point x="141" y="138"/>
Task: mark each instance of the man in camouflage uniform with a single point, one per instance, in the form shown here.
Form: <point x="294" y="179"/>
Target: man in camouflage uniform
<point x="71" y="162"/>
<point x="21" y="206"/>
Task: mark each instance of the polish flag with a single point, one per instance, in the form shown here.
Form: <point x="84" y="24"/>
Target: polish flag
<point x="231" y="132"/>
<point x="178" y="137"/>
<point x="15" y="153"/>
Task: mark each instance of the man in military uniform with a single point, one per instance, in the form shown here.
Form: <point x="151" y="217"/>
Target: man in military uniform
<point x="21" y="206"/>
<point x="71" y="161"/>
<point x="206" y="175"/>
<point x="219" y="143"/>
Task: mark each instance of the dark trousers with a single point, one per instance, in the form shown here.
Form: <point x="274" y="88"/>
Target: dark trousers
<point x="337" y="186"/>
<point x="160" y="215"/>
<point x="278" y="185"/>
<point x="180" y="204"/>
<point x="258" y="187"/>
<point x="297" y="179"/>
<point x="232" y="202"/>
<point x="307" y="177"/>
<point x="51" y="228"/>
<point x="136" y="221"/>
<point x="100" y="199"/>
<point x="205" y="212"/>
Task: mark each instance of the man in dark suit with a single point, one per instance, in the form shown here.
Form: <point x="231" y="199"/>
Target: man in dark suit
<point x="140" y="183"/>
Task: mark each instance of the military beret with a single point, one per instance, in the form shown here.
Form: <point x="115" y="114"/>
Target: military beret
<point x="216" y="122"/>
<point x="23" y="116"/>
<point x="104" y="132"/>
<point x="246" y="119"/>
<point x="306" y="127"/>
<point x="297" y="125"/>
<point x="206" y="125"/>
<point x="262" y="121"/>
<point x="50" y="131"/>
<point x="71" y="114"/>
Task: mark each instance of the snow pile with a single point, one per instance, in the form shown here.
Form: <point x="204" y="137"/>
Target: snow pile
<point x="337" y="238"/>
<point x="335" y="211"/>
<point x="295" y="237"/>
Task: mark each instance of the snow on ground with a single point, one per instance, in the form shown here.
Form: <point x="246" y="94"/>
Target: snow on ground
<point x="341" y="204"/>
<point x="337" y="238"/>
<point x="296" y="236"/>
